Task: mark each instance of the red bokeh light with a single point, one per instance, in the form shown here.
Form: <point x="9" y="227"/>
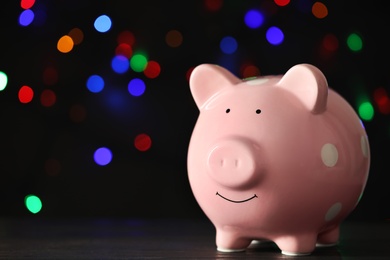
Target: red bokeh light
<point x="25" y="94"/>
<point x="142" y="142"/>
<point x="152" y="69"/>
<point x="48" y="98"/>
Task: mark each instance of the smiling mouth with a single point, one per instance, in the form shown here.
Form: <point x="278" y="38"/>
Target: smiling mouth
<point x="236" y="201"/>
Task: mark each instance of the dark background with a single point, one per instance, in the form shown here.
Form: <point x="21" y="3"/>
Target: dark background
<point x="154" y="183"/>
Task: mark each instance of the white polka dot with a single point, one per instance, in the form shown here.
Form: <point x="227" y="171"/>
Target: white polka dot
<point x="257" y="81"/>
<point x="329" y="155"/>
<point x="333" y="211"/>
<point x="364" y="145"/>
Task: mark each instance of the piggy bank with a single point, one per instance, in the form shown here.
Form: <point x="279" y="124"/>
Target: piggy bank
<point x="278" y="158"/>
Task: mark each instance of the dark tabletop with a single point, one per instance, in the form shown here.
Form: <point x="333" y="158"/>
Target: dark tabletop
<point x="35" y="238"/>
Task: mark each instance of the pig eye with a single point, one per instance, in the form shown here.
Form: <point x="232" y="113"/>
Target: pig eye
<point x="227" y="110"/>
<point x="258" y="111"/>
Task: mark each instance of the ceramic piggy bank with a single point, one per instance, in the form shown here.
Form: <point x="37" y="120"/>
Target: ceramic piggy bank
<point x="282" y="158"/>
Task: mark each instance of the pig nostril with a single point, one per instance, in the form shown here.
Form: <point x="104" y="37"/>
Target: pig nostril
<point x="236" y="163"/>
<point x="222" y="162"/>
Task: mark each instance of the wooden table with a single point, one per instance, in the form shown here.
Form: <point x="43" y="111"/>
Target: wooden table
<point x="40" y="238"/>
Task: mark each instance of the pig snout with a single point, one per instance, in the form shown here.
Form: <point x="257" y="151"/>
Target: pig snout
<point x="234" y="163"/>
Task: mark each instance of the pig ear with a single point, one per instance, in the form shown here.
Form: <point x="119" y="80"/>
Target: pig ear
<point x="308" y="84"/>
<point x="207" y="80"/>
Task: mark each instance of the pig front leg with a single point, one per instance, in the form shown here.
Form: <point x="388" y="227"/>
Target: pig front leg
<point x="229" y="239"/>
<point x="297" y="245"/>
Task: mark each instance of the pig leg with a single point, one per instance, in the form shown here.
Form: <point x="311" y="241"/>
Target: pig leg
<point x="297" y="245"/>
<point x="230" y="241"/>
<point x="328" y="237"/>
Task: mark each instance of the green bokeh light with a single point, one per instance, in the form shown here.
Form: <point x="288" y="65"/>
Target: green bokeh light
<point x="366" y="111"/>
<point x="354" y="42"/>
<point x="33" y="203"/>
<point x="138" y="62"/>
<point x="3" y="80"/>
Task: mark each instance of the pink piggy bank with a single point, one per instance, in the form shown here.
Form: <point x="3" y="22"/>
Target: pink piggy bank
<point x="275" y="158"/>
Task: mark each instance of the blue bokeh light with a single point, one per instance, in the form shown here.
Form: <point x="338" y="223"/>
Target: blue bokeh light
<point x="103" y="23"/>
<point x="40" y="17"/>
<point x="136" y="87"/>
<point x="304" y="6"/>
<point x="102" y="156"/>
<point x="116" y="100"/>
<point x="120" y="64"/>
<point x="254" y="19"/>
<point x="40" y="13"/>
<point x="274" y="35"/>
<point x="26" y="17"/>
<point x="228" y="45"/>
<point x="95" y="83"/>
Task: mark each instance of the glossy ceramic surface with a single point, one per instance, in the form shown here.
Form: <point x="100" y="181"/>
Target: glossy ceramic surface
<point x="280" y="158"/>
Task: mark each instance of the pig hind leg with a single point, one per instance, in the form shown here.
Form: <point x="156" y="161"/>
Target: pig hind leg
<point x="328" y="237"/>
<point x="297" y="245"/>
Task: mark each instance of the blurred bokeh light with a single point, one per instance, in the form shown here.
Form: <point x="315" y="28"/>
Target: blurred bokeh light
<point x="82" y="81"/>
